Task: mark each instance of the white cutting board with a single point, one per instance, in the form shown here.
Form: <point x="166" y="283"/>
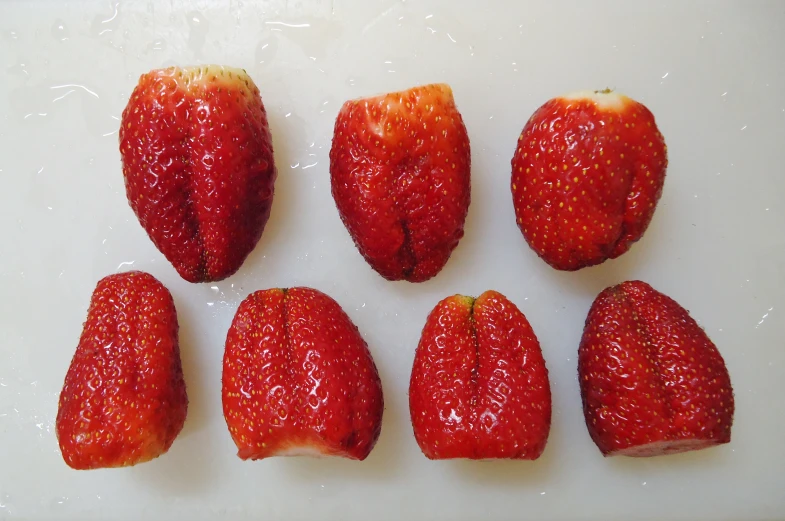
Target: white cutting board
<point x="712" y="73"/>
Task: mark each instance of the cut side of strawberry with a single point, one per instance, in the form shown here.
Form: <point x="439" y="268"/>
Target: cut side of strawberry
<point x="198" y="166"/>
<point x="652" y="382"/>
<point x="587" y="174"/>
<point x="659" y="448"/>
<point x="479" y="387"/>
<point x="298" y="379"/>
<point x="400" y="172"/>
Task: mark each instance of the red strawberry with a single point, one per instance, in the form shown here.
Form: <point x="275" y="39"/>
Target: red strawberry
<point x="479" y="386"/>
<point x="124" y="400"/>
<point x="586" y="177"/>
<point x="651" y="380"/>
<point x="298" y="378"/>
<point x="198" y="166"/>
<point x="399" y="167"/>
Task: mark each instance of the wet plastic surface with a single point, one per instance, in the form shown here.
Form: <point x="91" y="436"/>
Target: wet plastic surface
<point x="711" y="73"/>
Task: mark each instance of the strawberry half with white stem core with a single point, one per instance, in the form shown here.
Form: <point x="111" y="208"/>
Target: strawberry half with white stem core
<point x="198" y="166"/>
<point x="479" y="386"/>
<point x="587" y="174"/>
<point x="400" y="172"/>
<point x="123" y="401"/>
<point x="652" y="381"/>
<point x="298" y="378"/>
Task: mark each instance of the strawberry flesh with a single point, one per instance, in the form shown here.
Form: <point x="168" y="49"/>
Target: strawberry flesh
<point x="124" y="399"/>
<point x="400" y="170"/>
<point x="479" y="386"/>
<point x="651" y="380"/>
<point x="587" y="175"/>
<point x="298" y="378"/>
<point x="198" y="166"/>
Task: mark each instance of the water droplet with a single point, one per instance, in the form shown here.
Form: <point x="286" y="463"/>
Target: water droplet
<point x="105" y="24"/>
<point x="159" y="44"/>
<point x="266" y="50"/>
<point x="198" y="34"/>
<point x="59" y="30"/>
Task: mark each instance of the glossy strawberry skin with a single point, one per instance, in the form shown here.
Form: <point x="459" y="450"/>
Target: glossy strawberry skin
<point x="587" y="174"/>
<point x="479" y="386"/>
<point x="198" y="166"/>
<point x="400" y="170"/>
<point x="652" y="382"/>
<point x="124" y="400"/>
<point x="298" y="378"/>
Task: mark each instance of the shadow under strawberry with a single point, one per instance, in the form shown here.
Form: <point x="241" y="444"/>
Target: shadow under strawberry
<point x="507" y="473"/>
<point x="590" y="281"/>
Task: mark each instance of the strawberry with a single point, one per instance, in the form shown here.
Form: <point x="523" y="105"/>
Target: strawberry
<point x="479" y="386"/>
<point x="399" y="167"/>
<point x="586" y="176"/>
<point x="124" y="400"/>
<point x="298" y="378"/>
<point x="651" y="380"/>
<point x="198" y="165"/>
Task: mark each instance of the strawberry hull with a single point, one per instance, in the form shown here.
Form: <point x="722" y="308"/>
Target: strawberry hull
<point x="400" y="175"/>
<point x="652" y="382"/>
<point x="198" y="166"/>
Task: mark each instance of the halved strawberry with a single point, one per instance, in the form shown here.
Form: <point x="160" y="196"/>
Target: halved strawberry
<point x="586" y="177"/>
<point x="652" y="381"/>
<point x="198" y="166"/>
<point x="400" y="172"/>
<point x="123" y="401"/>
<point x="298" y="378"/>
<point x="479" y="386"/>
